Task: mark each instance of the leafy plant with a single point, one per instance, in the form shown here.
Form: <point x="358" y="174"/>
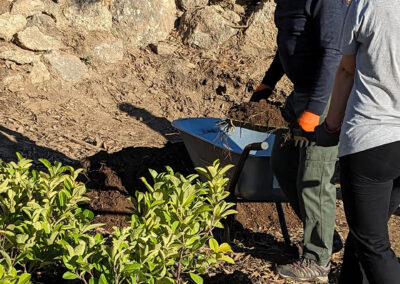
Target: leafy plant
<point x="169" y="238"/>
<point x="39" y="214"/>
<point x="168" y="234"/>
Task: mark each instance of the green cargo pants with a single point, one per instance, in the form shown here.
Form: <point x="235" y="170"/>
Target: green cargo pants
<point x="305" y="175"/>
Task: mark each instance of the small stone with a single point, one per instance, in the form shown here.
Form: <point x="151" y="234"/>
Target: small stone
<point x="69" y="67"/>
<point x="163" y="48"/>
<point x="39" y="73"/>
<point x="33" y="39"/>
<point x="27" y="8"/>
<point x="110" y="52"/>
<point x="16" y="55"/>
<point x="10" y="25"/>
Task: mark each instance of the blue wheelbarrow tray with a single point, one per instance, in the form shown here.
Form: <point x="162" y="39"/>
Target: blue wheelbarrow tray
<point x="206" y="140"/>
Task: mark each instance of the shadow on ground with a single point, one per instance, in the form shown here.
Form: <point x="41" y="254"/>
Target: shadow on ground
<point x="12" y="142"/>
<point x="111" y="177"/>
<point x="158" y="124"/>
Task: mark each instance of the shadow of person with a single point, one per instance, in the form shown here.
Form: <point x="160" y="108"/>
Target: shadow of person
<point x="12" y="142"/>
<point x="158" y="124"/>
<point x="122" y="170"/>
<point x="261" y="245"/>
<point x="113" y="176"/>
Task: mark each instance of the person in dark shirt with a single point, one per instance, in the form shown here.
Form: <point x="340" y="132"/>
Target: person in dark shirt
<point x="309" y="54"/>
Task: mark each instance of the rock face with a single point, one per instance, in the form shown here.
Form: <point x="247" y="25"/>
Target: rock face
<point x="111" y="51"/>
<point x="208" y="27"/>
<point x="261" y="31"/>
<point x="93" y="16"/>
<point x="16" y="55"/>
<point x="33" y="39"/>
<point x="191" y="4"/>
<point x="10" y="25"/>
<point x="144" y="21"/>
<point x="69" y="67"/>
<point x="27" y="7"/>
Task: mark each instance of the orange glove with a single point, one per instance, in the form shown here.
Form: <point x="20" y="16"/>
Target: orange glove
<point x="308" y="121"/>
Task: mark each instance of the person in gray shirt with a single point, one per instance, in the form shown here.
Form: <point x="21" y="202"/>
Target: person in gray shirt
<point x="364" y="115"/>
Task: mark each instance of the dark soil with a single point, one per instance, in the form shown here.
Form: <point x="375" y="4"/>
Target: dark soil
<point x="258" y="114"/>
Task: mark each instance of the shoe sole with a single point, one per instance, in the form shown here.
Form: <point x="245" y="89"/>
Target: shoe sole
<point x="320" y="279"/>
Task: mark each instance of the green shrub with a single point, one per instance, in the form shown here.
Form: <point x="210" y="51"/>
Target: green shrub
<point x="169" y="238"/>
<point x="169" y="232"/>
<point x="39" y="214"/>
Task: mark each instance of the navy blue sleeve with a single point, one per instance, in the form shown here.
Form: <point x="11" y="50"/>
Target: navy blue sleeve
<point x="327" y="19"/>
<point x="274" y="72"/>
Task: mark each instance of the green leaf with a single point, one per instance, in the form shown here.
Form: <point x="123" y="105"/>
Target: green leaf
<point x="227" y="259"/>
<point x="196" y="278"/>
<point x="88" y="214"/>
<point x="130" y="268"/>
<point x="103" y="279"/>
<point x="62" y="199"/>
<point x="46" y="163"/>
<point x="224" y="248"/>
<point x="213" y="244"/>
<point x="174" y="226"/>
<point x="24" y="278"/>
<point x="80" y="249"/>
<point x="69" y="275"/>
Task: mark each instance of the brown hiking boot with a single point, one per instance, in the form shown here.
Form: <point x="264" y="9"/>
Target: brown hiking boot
<point x="305" y="269"/>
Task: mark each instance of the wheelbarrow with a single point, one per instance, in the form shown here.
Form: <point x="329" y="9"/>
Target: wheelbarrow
<point x="252" y="180"/>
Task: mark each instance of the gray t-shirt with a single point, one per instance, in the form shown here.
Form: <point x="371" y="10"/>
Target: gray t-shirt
<point x="372" y="31"/>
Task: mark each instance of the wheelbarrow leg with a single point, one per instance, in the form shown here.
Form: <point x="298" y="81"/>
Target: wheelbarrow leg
<point x="235" y="178"/>
<point x="228" y="223"/>
<point x="282" y="222"/>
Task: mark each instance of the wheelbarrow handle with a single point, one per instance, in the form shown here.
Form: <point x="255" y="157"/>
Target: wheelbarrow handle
<point x="257" y="146"/>
<point x="239" y="167"/>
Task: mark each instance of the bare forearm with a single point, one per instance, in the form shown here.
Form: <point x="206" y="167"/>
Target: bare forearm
<point x="341" y="90"/>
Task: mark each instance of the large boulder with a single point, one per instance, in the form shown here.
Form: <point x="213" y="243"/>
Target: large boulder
<point x="260" y="36"/>
<point x="93" y="16"/>
<point x="144" y="21"/>
<point x="191" y="4"/>
<point x="10" y="25"/>
<point x="208" y="27"/>
<point x="45" y="23"/>
<point x="69" y="67"/>
<point x="27" y="7"/>
<point x="33" y="39"/>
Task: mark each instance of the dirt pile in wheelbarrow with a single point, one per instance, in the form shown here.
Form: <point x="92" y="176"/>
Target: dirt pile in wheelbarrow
<point x="263" y="116"/>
